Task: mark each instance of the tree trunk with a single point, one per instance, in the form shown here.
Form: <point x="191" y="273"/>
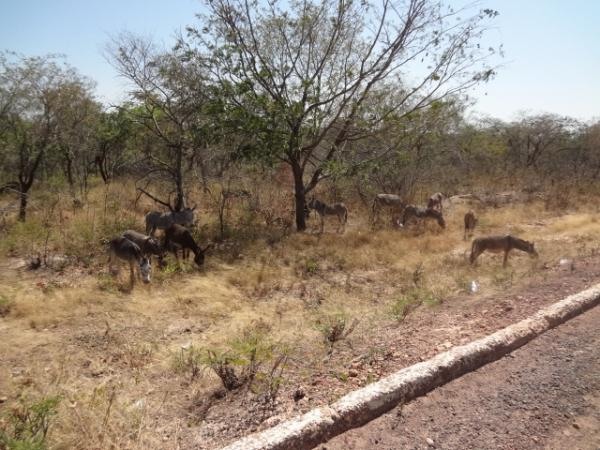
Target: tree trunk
<point x="22" y="205"/>
<point x="300" y="196"/>
<point x="179" y="194"/>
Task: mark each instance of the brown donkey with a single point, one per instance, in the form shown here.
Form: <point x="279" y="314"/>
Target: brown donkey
<point x="470" y="223"/>
<point x="498" y="244"/>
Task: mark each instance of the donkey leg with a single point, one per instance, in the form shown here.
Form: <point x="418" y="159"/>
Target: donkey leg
<point x="505" y="258"/>
<point x="131" y="274"/>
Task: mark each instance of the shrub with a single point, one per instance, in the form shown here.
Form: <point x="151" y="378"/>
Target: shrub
<point x="27" y="425"/>
<point x="411" y="300"/>
<point x="188" y="360"/>
<point x="252" y="360"/>
<point x="311" y="266"/>
<point x="335" y="328"/>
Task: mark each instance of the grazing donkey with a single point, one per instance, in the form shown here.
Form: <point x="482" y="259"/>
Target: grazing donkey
<point x="178" y="237"/>
<point x="470" y="223"/>
<point x="422" y="213"/>
<point x="147" y="244"/>
<point x="391" y="201"/>
<point x="337" y="209"/>
<point x="435" y="201"/>
<point x="497" y="244"/>
<point x="162" y="221"/>
<point x="129" y="251"/>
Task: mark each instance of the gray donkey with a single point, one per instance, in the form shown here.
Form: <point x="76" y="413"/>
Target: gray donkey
<point x="337" y="209"/>
<point x="422" y="213"/>
<point x="162" y="221"/>
<point x="129" y="251"/>
<point x="147" y="244"/>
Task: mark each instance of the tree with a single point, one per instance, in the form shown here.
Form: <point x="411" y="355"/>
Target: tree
<point x="32" y="90"/>
<point x="77" y="114"/>
<point x="114" y="133"/>
<point x="533" y="137"/>
<point x="168" y="98"/>
<point x="319" y="75"/>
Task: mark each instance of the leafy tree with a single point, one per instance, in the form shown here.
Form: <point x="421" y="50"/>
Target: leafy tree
<point x="33" y="93"/>
<point x="318" y="75"/>
<point x="168" y="96"/>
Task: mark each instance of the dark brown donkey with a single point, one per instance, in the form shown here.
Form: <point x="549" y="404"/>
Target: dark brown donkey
<point x="498" y="244"/>
<point x="178" y="237"/>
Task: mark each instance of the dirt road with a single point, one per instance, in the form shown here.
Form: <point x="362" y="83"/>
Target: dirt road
<point x="544" y="395"/>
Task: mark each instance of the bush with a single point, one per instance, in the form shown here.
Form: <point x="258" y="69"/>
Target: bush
<point x="411" y="300"/>
<point x="27" y="425"/>
<point x="188" y="360"/>
<point x="252" y="360"/>
<point x="335" y="328"/>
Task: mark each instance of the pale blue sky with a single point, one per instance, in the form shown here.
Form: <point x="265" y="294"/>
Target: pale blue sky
<point x="552" y="47"/>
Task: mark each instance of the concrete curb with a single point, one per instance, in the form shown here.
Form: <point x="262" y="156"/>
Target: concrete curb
<point x="363" y="405"/>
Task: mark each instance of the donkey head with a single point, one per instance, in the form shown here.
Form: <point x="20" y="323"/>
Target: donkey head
<point x="145" y="269"/>
<point x="531" y="249"/>
<point x="199" y="258"/>
<point x="441" y="222"/>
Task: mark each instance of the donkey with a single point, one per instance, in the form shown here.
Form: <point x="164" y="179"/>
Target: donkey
<point x="386" y="201"/>
<point x="147" y="244"/>
<point x="129" y="251"/>
<point x="470" y="223"/>
<point x="162" y="221"/>
<point x="178" y="237"/>
<point x="435" y="201"/>
<point x="497" y="244"/>
<point x="337" y="209"/>
<point x="422" y="213"/>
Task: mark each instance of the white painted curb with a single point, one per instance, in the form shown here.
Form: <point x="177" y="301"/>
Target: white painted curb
<point x="363" y="405"/>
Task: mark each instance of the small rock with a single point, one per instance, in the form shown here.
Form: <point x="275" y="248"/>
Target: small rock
<point x="576" y="425"/>
<point x="429" y="442"/>
<point x="473" y="287"/>
<point x="186" y="346"/>
<point x="352" y="373"/>
<point x="3" y="399"/>
<point x="299" y="394"/>
<point x="272" y="421"/>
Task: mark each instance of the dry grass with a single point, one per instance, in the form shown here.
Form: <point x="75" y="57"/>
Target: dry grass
<point x="109" y="353"/>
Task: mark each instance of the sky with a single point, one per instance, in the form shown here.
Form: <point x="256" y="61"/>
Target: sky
<point x="551" y="63"/>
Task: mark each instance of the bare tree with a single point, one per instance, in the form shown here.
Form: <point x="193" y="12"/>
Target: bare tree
<point x="311" y="71"/>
